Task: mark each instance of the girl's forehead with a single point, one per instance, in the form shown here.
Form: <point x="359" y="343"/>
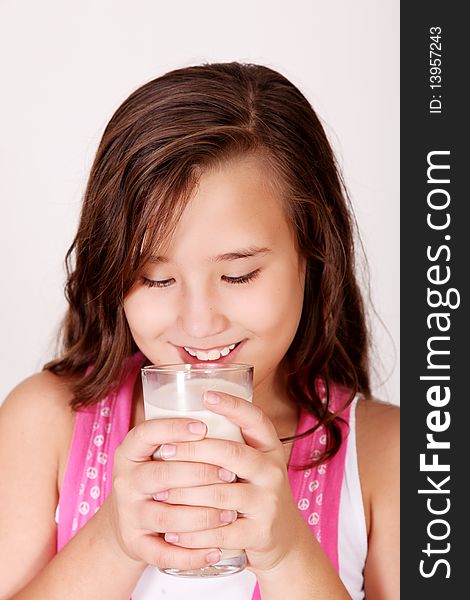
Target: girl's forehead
<point x="233" y="204"/>
<point x="235" y="207"/>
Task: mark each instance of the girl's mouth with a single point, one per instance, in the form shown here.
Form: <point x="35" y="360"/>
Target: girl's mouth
<point x="221" y="355"/>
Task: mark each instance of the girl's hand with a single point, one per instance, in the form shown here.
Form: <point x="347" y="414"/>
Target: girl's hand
<point x="137" y="519"/>
<point x="268" y="525"/>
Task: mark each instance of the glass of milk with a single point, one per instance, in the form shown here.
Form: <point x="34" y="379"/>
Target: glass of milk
<point x="175" y="391"/>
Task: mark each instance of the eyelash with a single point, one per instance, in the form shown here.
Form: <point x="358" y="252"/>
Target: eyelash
<point x="232" y="280"/>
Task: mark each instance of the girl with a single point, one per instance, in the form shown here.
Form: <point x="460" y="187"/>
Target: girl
<point x="214" y="227"/>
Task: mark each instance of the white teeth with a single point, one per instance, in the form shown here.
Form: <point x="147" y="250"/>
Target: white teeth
<point x="211" y="355"/>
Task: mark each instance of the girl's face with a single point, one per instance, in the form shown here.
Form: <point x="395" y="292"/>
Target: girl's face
<point x="231" y="275"/>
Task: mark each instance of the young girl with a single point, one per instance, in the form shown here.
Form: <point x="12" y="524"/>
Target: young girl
<point x="214" y="228"/>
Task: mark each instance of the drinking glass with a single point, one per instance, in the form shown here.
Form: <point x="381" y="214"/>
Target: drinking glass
<point x="175" y="391"/>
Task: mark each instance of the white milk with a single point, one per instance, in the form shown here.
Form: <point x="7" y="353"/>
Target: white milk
<point x="217" y="425"/>
<point x="174" y="400"/>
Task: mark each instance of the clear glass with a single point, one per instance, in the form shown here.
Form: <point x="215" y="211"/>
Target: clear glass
<point x="175" y="391"/>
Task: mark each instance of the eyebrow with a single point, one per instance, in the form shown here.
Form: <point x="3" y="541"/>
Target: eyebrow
<point x="228" y="256"/>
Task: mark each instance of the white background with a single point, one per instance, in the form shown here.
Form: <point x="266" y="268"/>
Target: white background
<point x="67" y="66"/>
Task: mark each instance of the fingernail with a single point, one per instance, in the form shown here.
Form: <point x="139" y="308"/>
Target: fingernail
<point x="157" y="454"/>
<point x="171" y="537"/>
<point x="212" y="398"/>
<point x="228" y="516"/>
<point x="161" y="495"/>
<point x="197" y="427"/>
<point x="227" y="475"/>
<point x="167" y="450"/>
<point x="213" y="557"/>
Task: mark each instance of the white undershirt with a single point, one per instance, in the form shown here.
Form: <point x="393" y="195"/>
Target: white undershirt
<point x="352" y="550"/>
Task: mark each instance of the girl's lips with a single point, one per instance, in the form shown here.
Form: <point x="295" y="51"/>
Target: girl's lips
<point x="188" y="358"/>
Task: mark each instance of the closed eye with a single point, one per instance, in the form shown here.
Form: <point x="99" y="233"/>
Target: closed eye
<point x="151" y="283"/>
<point x="242" y="278"/>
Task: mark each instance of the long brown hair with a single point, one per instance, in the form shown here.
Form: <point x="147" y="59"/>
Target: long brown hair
<point x="152" y="151"/>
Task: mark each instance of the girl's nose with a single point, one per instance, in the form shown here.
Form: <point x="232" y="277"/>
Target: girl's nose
<point x="200" y="316"/>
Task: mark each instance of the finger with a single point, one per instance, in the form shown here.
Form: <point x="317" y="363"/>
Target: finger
<point x="142" y="441"/>
<point x="241" y="497"/>
<point x="239" y="458"/>
<point x="153" y="476"/>
<point x="160" y="517"/>
<point x="240" y="534"/>
<point x="155" y="551"/>
<point x="255" y="426"/>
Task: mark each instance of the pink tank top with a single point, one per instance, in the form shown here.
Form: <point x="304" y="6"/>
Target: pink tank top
<point x="100" y="429"/>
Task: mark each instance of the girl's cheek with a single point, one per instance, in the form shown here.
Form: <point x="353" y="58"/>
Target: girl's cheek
<point x="144" y="313"/>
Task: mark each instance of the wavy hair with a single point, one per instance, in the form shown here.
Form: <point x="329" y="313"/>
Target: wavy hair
<point x="156" y="145"/>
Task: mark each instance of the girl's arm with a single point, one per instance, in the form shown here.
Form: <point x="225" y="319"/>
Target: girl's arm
<point x="107" y="556"/>
<point x="378" y="436"/>
<point x="90" y="566"/>
<point x="35" y="423"/>
<point x="305" y="574"/>
<point x="309" y="574"/>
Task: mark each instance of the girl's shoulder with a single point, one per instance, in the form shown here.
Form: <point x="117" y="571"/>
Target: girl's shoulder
<point x="377" y="424"/>
<point x="377" y="435"/>
<point x="37" y="411"/>
<point x="40" y="397"/>
<point x="36" y="424"/>
<point x="378" y="453"/>
<point x="378" y="450"/>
